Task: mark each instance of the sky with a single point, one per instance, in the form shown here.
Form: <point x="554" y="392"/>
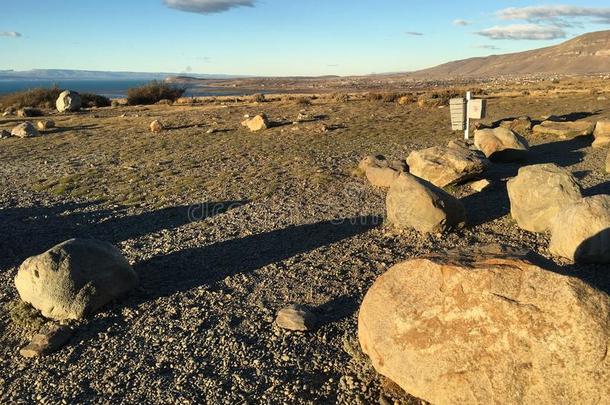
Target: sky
<point x="279" y="37"/>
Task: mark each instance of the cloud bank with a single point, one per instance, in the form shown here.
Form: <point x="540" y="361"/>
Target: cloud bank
<point x="524" y="31"/>
<point x="207" y="6"/>
<point x="546" y="22"/>
<point x="11" y="34"/>
<point x="554" y="13"/>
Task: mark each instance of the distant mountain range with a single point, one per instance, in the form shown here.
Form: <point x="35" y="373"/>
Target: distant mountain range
<point x="587" y="53"/>
<point x="70" y="74"/>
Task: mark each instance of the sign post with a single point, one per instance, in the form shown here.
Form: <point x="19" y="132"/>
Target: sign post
<point x="468" y="98"/>
<point x="463" y="110"/>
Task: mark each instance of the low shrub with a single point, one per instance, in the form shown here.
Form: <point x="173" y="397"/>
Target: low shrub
<point x="94" y="100"/>
<point x="39" y="97"/>
<point x="303" y="101"/>
<point x="259" y="98"/>
<point x="153" y="92"/>
<point x="341" y="97"/>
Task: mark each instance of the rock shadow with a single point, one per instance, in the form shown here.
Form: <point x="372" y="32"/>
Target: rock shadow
<point x="32" y="230"/>
<point x="206" y="265"/>
<point x="337" y="309"/>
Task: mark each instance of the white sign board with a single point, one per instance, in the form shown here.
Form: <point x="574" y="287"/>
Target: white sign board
<point x="477" y="109"/>
<point x="457" y="107"/>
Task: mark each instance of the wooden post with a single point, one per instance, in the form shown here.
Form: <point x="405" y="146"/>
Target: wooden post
<point x="467" y="131"/>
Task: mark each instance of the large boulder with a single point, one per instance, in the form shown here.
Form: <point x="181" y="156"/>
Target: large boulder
<point x="582" y="231"/>
<point x="501" y="144"/>
<point x="25" y="130"/>
<point x="538" y="193"/>
<point x="68" y="100"/>
<point x="381" y="172"/>
<point x="444" y="166"/>
<point x="602" y="134"/>
<point x="258" y="123"/>
<point x="565" y="129"/>
<point x="488" y="328"/>
<point x="415" y="203"/>
<point x="74" y="278"/>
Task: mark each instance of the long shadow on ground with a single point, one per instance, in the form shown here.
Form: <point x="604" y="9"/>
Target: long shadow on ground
<point x="32" y="230"/>
<point x="186" y="269"/>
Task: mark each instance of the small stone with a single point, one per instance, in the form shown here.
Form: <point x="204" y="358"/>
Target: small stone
<point x="480" y="185"/>
<point x="46" y="124"/>
<point x="48" y="340"/>
<point x="25" y="130"/>
<point x="156" y="126"/>
<point x="295" y="317"/>
<point x="258" y="123"/>
<point x="4" y="134"/>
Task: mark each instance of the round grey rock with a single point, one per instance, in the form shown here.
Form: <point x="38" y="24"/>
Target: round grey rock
<point x="74" y="278"/>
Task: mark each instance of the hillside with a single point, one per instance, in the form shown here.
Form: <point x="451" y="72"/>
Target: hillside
<point x="588" y="53"/>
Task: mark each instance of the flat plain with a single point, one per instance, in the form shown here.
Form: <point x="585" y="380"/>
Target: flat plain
<point x="226" y="227"/>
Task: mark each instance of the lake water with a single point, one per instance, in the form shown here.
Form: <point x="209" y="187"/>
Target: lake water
<point x="108" y="88"/>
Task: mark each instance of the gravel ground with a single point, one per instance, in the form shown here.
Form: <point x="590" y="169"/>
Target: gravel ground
<point x="220" y="254"/>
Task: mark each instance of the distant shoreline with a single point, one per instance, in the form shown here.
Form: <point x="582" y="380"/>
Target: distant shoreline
<point x="114" y="88"/>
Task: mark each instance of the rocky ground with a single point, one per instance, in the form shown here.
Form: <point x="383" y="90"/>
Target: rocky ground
<point x="226" y="228"/>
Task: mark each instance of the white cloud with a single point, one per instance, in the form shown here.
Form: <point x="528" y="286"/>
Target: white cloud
<point x="461" y="23"/>
<point x="491" y="47"/>
<point x="12" y="34"/>
<point x="207" y="6"/>
<point x="523" y="31"/>
<point x="414" y="33"/>
<point x="553" y="13"/>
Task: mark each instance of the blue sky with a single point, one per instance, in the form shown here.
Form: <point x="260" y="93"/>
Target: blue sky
<point x="279" y="37"/>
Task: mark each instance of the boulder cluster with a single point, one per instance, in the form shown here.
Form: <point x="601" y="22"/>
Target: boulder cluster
<point x="68" y="101"/>
<point x="492" y="324"/>
<point x="416" y="198"/>
<point x="547" y="197"/>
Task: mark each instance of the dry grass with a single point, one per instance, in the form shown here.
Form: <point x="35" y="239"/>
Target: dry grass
<point x="24" y="316"/>
<point x="115" y="158"/>
<point x="39" y="97"/>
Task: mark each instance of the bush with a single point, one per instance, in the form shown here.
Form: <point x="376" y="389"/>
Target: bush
<point x="437" y="98"/>
<point x="153" y="92"/>
<point x="39" y="97"/>
<point x="94" y="100"/>
<point x="259" y="98"/>
<point x="303" y="101"/>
